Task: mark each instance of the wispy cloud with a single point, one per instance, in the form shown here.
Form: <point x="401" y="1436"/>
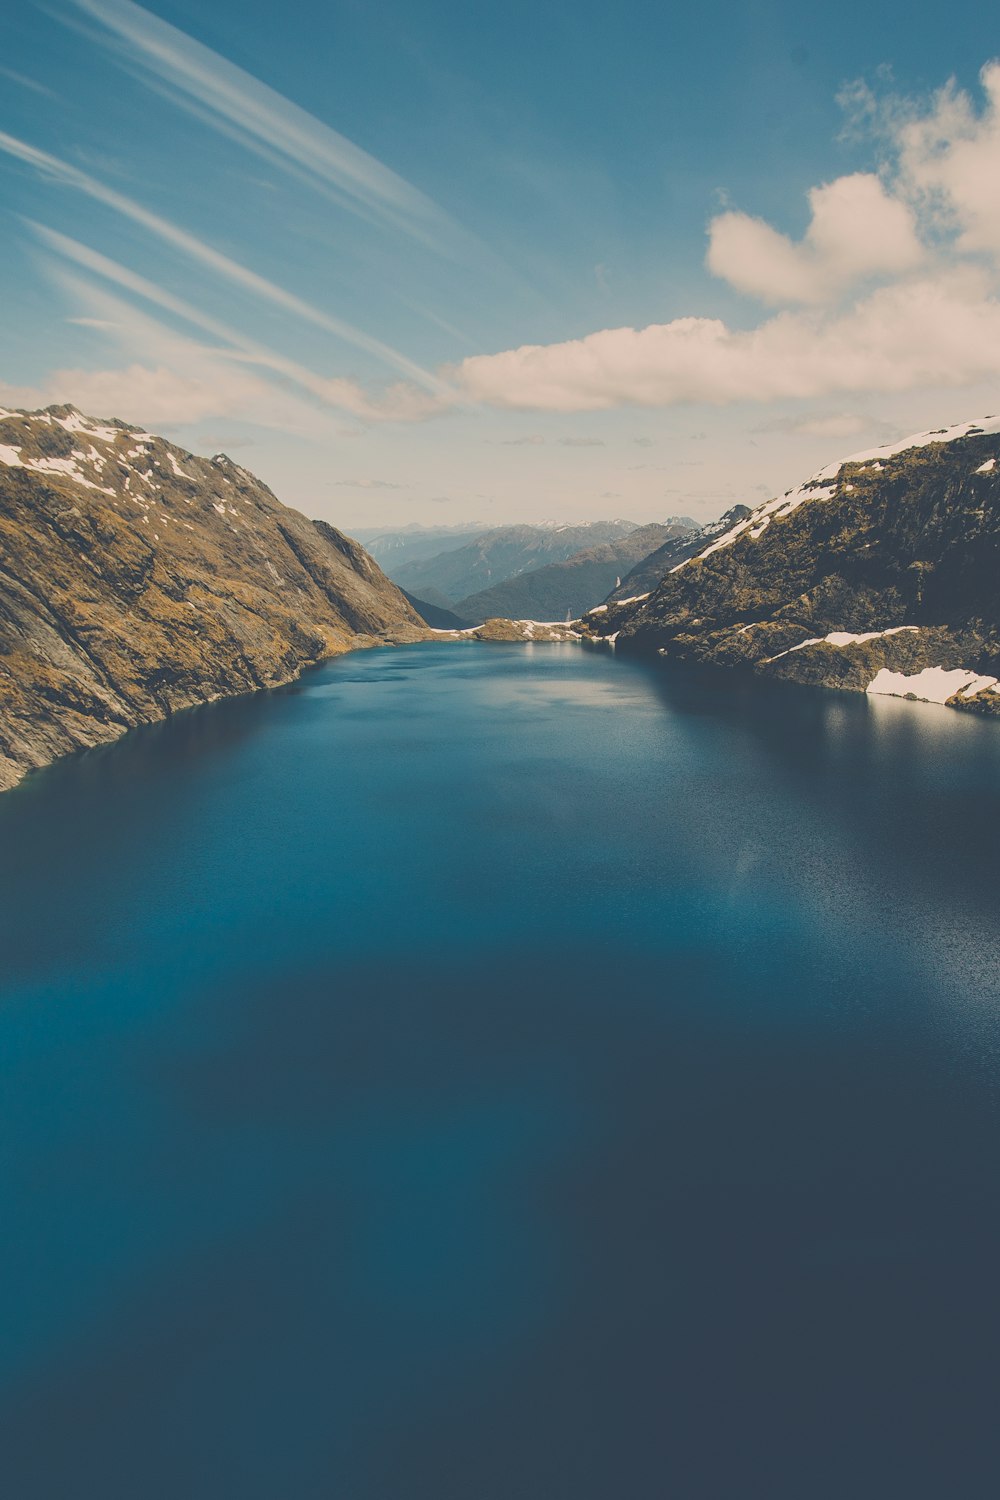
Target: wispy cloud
<point x="344" y="394"/>
<point x="25" y="82"/>
<point x="267" y="122"/>
<point x="173" y="381"/>
<point x="231" y="270"/>
<point x="365" y="484"/>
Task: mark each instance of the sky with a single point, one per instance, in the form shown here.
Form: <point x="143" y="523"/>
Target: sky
<point x="438" y="263"/>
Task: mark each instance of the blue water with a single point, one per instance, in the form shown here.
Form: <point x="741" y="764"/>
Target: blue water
<point x="504" y="1073"/>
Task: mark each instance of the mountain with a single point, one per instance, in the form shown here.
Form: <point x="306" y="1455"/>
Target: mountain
<point x="880" y="574"/>
<point x="574" y="585"/>
<point x="494" y="556"/>
<point x="394" y="549"/>
<point x="434" y="615"/>
<point x="647" y="573"/>
<point x="136" y="579"/>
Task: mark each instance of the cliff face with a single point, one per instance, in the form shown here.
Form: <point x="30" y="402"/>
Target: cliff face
<point x="136" y="579"/>
<point x="880" y="574"/>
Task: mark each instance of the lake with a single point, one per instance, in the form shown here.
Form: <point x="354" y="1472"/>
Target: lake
<point x="486" y="1072"/>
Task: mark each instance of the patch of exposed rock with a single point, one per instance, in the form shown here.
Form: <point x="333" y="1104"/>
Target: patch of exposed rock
<point x="137" y="579"/>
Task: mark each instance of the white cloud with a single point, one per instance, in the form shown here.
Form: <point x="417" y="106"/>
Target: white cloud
<point x="949" y="162"/>
<point x="857" y="232"/>
<point x="942" y="330"/>
<point x="922" y="228"/>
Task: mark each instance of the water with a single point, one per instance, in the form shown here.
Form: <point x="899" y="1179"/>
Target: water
<point x="504" y="1073"/>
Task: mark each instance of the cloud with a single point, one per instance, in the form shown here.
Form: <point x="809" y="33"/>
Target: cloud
<point x="833" y="425"/>
<point x="927" y="228"/>
<point x="267" y="122"/>
<point x="28" y="83"/>
<point x="534" y="441"/>
<point x="949" y="161"/>
<point x="166" y="379"/>
<point x="54" y="169"/>
<point x="581" y="442"/>
<point x="407" y="403"/>
<point x="366" y="484"/>
<point x="857" y="232"/>
<point x="940" y="330"/>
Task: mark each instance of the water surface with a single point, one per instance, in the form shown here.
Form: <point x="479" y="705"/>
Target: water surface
<point x="504" y="1073"/>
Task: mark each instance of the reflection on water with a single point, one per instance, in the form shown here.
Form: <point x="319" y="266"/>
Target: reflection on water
<point x="489" y="1072"/>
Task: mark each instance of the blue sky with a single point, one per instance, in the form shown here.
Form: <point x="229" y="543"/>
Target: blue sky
<point x="439" y="262"/>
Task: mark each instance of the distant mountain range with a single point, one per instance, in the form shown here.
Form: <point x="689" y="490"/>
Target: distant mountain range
<point x="494" y="556"/>
<point x="880" y="574"/>
<point x="572" y="586"/>
<point x="136" y="579"/>
<point x="394" y="549"/>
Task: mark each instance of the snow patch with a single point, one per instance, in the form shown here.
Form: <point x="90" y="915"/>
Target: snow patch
<point x="987" y="467"/>
<point x="839" y="638"/>
<point x="932" y="685"/>
<point x="178" y="471"/>
<point x="76" y="422"/>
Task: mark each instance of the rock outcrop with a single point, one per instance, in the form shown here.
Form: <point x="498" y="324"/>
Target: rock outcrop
<point x="137" y="579"/>
<point x="879" y="574"/>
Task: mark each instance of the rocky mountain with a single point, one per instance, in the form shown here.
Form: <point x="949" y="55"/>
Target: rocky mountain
<point x="494" y="556"/>
<point x="574" y="585"/>
<point x="686" y="543"/>
<point x="137" y="579"/>
<point x="880" y="574"/>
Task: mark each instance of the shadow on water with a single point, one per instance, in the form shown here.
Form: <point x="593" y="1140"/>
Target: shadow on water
<point x="504" y="1100"/>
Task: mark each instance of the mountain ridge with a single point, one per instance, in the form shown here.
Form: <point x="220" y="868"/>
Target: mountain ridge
<point x="878" y="574"/>
<point x="491" y="557"/>
<point x="575" y="583"/>
<point x="137" y="579"/>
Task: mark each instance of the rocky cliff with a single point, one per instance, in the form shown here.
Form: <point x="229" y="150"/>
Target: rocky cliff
<point x="137" y="579"/>
<point x="880" y="574"/>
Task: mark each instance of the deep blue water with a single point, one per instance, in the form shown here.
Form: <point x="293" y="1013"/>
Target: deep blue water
<point x="504" y="1073"/>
